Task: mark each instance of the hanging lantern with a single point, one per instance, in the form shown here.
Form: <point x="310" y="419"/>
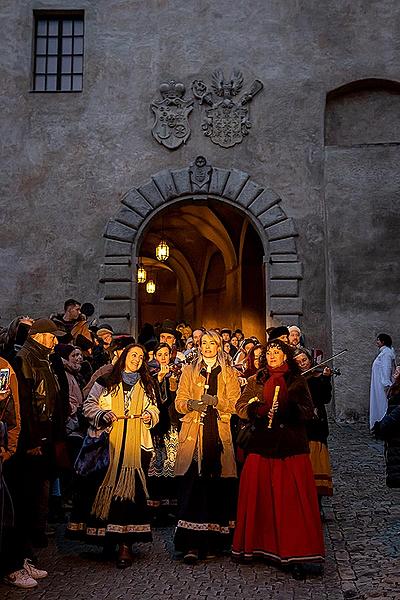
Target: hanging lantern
<point x="150" y="287"/>
<point x="141" y="274"/>
<point x="162" y="251"/>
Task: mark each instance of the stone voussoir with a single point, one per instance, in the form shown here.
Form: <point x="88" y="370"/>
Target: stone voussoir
<point x="119" y="231"/>
<point x="285" y="305"/>
<point x="133" y="199"/>
<point x="249" y="193"/>
<point x="165" y="184"/>
<point x="151" y="193"/>
<point x="235" y="184"/>
<point x="289" y="270"/>
<point x="129" y="217"/>
<point x="272" y="215"/>
<point x="219" y="178"/>
<point x="282" y="229"/>
<point x="263" y="202"/>
<point x="182" y="183"/>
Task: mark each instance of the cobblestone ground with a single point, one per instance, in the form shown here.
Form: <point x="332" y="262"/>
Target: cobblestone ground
<point x="362" y="534"/>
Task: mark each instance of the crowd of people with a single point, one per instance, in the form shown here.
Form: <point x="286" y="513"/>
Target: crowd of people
<point x="213" y="432"/>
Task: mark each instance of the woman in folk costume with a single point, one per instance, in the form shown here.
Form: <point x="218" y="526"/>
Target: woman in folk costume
<point x="162" y="482"/>
<point x="112" y="507"/>
<point x="278" y="515"/>
<point x="205" y="462"/>
<point x="320" y="386"/>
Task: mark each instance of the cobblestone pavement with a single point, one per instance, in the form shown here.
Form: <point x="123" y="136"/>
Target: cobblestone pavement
<point x="362" y="534"/>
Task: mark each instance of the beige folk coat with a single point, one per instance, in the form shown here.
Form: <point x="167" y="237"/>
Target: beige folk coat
<point x="191" y="386"/>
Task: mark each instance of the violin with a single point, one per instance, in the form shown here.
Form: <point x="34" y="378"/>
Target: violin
<point x="320" y="371"/>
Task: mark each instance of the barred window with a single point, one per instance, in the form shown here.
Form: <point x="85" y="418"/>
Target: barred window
<point x="58" y="52"/>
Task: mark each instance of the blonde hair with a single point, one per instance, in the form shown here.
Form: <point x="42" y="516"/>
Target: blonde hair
<point x="221" y="355"/>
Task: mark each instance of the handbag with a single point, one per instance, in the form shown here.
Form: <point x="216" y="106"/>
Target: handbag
<point x="245" y="434"/>
<point x="94" y="456"/>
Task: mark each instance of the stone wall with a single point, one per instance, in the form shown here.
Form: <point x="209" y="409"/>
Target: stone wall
<point x="68" y="159"/>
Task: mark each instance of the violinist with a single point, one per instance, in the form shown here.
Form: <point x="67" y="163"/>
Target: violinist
<point x="162" y="485"/>
<point x="320" y="386"/>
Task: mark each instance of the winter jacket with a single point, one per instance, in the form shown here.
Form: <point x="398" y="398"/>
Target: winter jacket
<point x="9" y="414"/>
<point x="287" y="436"/>
<point x="191" y="386"/>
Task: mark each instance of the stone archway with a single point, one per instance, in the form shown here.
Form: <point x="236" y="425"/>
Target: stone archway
<point x="283" y="270"/>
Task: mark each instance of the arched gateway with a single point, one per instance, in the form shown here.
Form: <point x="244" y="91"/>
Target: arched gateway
<point x="199" y="181"/>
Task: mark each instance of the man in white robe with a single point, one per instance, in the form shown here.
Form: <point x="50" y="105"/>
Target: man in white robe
<point x="381" y="378"/>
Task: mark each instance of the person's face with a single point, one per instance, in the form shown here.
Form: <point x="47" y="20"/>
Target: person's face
<point x="79" y="356"/>
<point x="197" y="333"/>
<point x="257" y="357"/>
<point x="379" y="343"/>
<point x="134" y="360"/>
<point x="294" y="338"/>
<point x="107" y="338"/>
<point x="167" y="338"/>
<point x="240" y="336"/>
<point x="275" y="357"/>
<point x="75" y="358"/>
<point x="73" y="311"/>
<point x="303" y="361"/>
<point x="208" y="347"/>
<point x="227" y="347"/>
<point x="284" y="338"/>
<point x="46" y="339"/>
<point x="226" y="337"/>
<point x="234" y="341"/>
<point x="163" y="356"/>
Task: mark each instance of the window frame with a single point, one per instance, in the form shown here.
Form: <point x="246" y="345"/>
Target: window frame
<point x="60" y="16"/>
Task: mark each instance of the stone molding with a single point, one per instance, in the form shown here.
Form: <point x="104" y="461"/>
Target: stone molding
<point x="261" y="204"/>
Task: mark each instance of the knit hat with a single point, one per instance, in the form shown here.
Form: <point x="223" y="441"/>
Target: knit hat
<point x="294" y="328"/>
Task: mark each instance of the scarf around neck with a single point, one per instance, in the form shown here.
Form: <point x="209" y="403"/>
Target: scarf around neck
<point x="130" y="378"/>
<point x="122" y="485"/>
<point x="276" y="378"/>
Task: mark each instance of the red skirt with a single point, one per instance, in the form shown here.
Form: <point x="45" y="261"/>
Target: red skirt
<point x="278" y="515"/>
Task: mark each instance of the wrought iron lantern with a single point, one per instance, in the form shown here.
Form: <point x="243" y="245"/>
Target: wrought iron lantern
<point x="162" y="251"/>
<point x="141" y="274"/>
<point x="150" y="286"/>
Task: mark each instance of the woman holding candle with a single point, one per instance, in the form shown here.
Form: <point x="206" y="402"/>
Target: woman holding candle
<point x="278" y="515"/>
<point x="112" y="503"/>
<point x="205" y="462"/>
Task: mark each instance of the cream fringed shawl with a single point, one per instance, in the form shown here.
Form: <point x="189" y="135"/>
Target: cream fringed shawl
<point x="122" y="488"/>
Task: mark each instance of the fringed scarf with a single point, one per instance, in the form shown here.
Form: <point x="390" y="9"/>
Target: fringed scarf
<point x="124" y="487"/>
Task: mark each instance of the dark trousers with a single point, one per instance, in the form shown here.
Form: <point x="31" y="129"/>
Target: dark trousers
<point x="27" y="478"/>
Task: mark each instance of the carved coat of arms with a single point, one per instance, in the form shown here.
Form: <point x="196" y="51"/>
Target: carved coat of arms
<point x="226" y="122"/>
<point x="171" y="122"/>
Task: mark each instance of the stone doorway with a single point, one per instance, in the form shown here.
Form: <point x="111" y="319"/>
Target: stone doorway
<point x="215" y="266"/>
<point x="214" y="192"/>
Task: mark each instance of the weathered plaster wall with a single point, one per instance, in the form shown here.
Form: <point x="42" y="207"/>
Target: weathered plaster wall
<point x="67" y="159"/>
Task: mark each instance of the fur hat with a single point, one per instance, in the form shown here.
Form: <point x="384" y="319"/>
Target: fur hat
<point x="277" y="332"/>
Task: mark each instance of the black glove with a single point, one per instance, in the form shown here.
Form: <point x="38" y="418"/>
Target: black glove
<point x="209" y="400"/>
<point x="198" y="405"/>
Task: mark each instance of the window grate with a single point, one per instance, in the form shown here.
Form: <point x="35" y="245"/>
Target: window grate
<point x="58" y="53"/>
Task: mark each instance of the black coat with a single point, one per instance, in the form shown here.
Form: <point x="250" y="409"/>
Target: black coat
<point x="388" y="429"/>
<point x="288" y="436"/>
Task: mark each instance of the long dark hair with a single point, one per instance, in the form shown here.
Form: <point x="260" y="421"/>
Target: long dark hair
<point x="115" y="377"/>
<point x="294" y="369"/>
